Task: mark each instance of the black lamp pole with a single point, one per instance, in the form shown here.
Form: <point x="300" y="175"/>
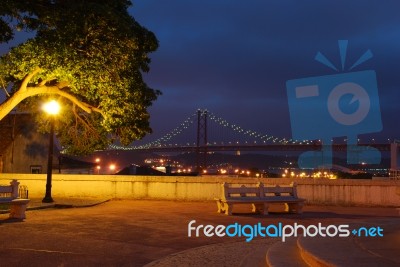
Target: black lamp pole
<point x="47" y="198"/>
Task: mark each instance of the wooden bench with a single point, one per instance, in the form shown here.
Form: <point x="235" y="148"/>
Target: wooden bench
<point x="10" y="194"/>
<point x="260" y="197"/>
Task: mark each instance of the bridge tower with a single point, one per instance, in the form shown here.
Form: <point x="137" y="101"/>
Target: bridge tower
<point x="201" y="150"/>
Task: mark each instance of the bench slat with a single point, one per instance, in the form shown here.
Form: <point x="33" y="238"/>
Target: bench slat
<point x="279" y="189"/>
<point x="5" y="189"/>
<point x="238" y="190"/>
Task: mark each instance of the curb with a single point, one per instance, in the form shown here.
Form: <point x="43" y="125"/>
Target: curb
<point x="67" y="206"/>
<point x="285" y="254"/>
<point x="310" y="258"/>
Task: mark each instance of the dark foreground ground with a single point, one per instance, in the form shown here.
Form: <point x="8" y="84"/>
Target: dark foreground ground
<point x="138" y="232"/>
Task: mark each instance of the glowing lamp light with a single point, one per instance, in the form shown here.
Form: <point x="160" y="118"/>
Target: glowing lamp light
<point x="52" y="107"/>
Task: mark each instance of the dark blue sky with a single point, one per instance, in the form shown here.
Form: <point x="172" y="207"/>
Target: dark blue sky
<point x="234" y="57"/>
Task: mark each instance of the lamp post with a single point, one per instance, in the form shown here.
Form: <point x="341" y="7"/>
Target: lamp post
<point x="52" y="108"/>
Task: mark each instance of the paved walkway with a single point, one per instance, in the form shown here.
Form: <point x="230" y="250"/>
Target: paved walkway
<point x="140" y="232"/>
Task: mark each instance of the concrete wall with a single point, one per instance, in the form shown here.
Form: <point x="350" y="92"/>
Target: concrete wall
<point x="316" y="191"/>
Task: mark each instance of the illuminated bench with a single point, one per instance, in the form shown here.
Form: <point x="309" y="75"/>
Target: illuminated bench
<point x="9" y="194"/>
<point x="260" y="197"/>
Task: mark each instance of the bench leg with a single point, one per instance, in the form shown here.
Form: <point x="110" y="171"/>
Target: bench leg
<point x="294" y="207"/>
<point x="228" y="208"/>
<point x="17" y="211"/>
<point x="261" y="208"/>
<point x="265" y="209"/>
<point x="300" y="208"/>
<point x="256" y="208"/>
<point x="290" y="207"/>
<point x="219" y="206"/>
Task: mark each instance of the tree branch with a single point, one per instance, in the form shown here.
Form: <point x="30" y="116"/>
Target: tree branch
<point x="8" y="105"/>
<point x="55" y="90"/>
<point x="42" y="83"/>
<point x="5" y="88"/>
<point x="28" y="78"/>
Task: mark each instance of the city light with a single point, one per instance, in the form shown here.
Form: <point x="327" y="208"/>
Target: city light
<point x="302" y="174"/>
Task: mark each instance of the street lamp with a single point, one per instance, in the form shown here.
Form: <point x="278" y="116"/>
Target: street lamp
<point x="112" y="167"/>
<point x="52" y="108"/>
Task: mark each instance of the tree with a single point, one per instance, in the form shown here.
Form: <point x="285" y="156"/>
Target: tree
<point x="88" y="53"/>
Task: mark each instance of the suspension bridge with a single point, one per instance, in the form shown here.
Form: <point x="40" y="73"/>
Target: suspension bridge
<point x="203" y="132"/>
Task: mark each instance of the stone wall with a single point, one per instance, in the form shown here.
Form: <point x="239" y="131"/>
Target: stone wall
<point x="316" y="191"/>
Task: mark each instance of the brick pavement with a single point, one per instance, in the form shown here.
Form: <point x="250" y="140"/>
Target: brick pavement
<point x="139" y="232"/>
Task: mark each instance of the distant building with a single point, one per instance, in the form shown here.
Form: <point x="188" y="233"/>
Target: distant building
<point x="140" y="170"/>
<point x="24" y="150"/>
<point x="69" y="165"/>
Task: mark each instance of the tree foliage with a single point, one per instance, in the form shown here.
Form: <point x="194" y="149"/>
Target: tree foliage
<point x="88" y="53"/>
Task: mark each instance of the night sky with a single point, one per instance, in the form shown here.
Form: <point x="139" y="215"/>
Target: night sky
<point x="234" y="57"/>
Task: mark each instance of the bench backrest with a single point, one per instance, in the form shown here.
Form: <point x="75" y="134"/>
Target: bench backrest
<point x="9" y="191"/>
<point x="229" y="191"/>
<point x="258" y="191"/>
<point x="270" y="191"/>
